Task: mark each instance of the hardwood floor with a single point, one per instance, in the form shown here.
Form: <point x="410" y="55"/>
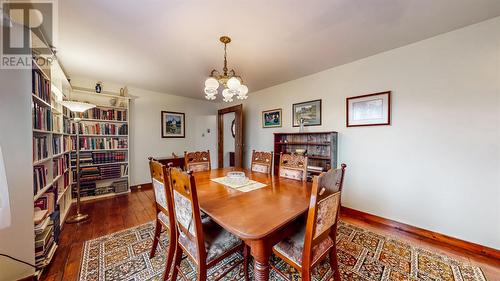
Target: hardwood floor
<point x="111" y="215"/>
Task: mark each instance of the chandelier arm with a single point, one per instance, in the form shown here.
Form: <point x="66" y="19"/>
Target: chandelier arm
<point x="214" y="72"/>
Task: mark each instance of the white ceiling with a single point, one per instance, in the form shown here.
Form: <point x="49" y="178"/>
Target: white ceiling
<point x="171" y="46"/>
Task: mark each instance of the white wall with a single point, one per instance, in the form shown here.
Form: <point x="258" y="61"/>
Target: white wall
<point x="438" y="165"/>
<point x="229" y="145"/>
<point x="16" y="141"/>
<point x="145" y="126"/>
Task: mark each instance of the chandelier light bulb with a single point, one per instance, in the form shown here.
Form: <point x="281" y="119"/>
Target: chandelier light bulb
<point x="211" y="83"/>
<point x="233" y="83"/>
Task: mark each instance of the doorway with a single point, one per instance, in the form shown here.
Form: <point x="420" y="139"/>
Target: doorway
<point x="230" y="136"/>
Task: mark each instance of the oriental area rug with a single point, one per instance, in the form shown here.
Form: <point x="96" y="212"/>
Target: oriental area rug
<point x="362" y="255"/>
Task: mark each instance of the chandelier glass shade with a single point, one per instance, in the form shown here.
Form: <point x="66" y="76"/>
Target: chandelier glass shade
<point x="232" y="84"/>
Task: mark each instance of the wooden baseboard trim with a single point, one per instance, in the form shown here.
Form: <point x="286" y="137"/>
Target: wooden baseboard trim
<point x="438" y="237"/>
<point x="144" y="186"/>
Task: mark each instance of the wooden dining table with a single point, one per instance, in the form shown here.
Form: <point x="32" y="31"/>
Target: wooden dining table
<point x="262" y="217"/>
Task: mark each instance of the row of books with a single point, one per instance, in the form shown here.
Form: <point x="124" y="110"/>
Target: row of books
<point x="105" y="114"/>
<point x="101" y="143"/>
<point x="85" y="158"/>
<point x="66" y="126"/>
<point x="40" y="173"/>
<point x="47" y="227"/>
<point x="109" y="157"/>
<point x="42" y="117"/>
<point x="60" y="165"/>
<point x="40" y="148"/>
<point x="95" y="173"/>
<point x="56" y="124"/>
<point x="100" y="129"/>
<point x="92" y="189"/>
<point x="67" y="143"/>
<point x="56" y="145"/>
<point x="40" y="86"/>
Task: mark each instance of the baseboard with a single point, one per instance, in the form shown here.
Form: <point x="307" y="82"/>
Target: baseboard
<point x="438" y="237"/>
<point x="141" y="186"/>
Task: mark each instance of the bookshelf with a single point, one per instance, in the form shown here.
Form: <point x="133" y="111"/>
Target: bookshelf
<point x="104" y="145"/>
<point x="51" y="170"/>
<point x="320" y="147"/>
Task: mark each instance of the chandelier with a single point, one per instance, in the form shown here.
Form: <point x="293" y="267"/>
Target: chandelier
<point x="232" y="83"/>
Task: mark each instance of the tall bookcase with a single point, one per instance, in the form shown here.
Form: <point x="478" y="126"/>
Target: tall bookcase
<point x="320" y="149"/>
<point x="104" y="145"/>
<point x="51" y="169"/>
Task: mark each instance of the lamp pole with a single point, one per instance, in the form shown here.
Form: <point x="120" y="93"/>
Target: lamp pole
<point x="79" y="217"/>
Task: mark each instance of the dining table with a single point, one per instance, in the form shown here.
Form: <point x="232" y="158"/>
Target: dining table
<point x="261" y="217"/>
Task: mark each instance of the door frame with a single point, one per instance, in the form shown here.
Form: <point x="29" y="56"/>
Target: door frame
<point x="238" y="139"/>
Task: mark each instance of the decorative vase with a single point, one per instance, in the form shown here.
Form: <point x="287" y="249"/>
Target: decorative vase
<point x="98" y="87"/>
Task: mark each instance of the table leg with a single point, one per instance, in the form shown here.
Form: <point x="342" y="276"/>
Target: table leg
<point x="261" y="255"/>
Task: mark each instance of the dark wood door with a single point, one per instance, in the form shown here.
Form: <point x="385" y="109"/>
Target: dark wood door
<point x="238" y="138"/>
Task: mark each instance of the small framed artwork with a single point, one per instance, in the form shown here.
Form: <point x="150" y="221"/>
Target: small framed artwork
<point x="369" y="110"/>
<point x="173" y="124"/>
<point x="271" y="118"/>
<point x="308" y="113"/>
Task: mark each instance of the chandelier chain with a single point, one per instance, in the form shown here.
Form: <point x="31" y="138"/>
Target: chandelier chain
<point x="225" y="60"/>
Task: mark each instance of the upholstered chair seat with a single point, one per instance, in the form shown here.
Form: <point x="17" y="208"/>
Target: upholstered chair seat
<point x="218" y="241"/>
<point x="164" y="218"/>
<point x="293" y="247"/>
<point x="314" y="240"/>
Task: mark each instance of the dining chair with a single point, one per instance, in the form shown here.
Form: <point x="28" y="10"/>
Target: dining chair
<point x="197" y="161"/>
<point x="262" y="162"/>
<point x="164" y="211"/>
<point x="312" y="242"/>
<point x="293" y="166"/>
<point x="205" y="243"/>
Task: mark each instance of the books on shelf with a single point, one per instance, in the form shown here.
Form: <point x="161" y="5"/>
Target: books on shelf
<point x="66" y="125"/>
<point x="39" y="178"/>
<point x="56" y="145"/>
<point x="109" y="157"/>
<point x="93" y="143"/>
<point x="47" y="201"/>
<point x="95" y="173"/>
<point x="100" y="129"/>
<point x="56" y="124"/>
<point x="42" y="117"/>
<point x="59" y="166"/>
<point x="40" y="86"/>
<point x="40" y="148"/>
<point x="105" y="114"/>
<point x="40" y="227"/>
<point x="43" y="244"/>
<point x="40" y="216"/>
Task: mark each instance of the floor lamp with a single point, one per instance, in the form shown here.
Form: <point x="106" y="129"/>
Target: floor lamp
<point x="77" y="107"/>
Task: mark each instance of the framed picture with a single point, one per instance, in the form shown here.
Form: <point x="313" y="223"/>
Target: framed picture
<point x="369" y="110"/>
<point x="271" y="118"/>
<point x="173" y="125"/>
<point x="309" y="113"/>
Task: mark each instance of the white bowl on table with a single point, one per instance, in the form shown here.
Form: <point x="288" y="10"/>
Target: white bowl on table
<point x="237" y="178"/>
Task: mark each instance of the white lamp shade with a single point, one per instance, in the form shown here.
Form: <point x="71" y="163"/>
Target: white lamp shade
<point x="77" y="106"/>
<point x="211" y="83"/>
<point x="233" y="83"/>
<point x="5" y="219"/>
<point x="243" y="90"/>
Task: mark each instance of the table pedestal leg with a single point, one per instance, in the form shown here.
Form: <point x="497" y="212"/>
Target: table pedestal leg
<point x="261" y="255"/>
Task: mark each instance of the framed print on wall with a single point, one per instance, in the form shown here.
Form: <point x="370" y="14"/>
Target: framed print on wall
<point x="309" y="112"/>
<point x="271" y="118"/>
<point x="369" y="110"/>
<point x="173" y="124"/>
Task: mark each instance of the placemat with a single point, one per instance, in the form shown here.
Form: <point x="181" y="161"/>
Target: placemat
<point x="249" y="186"/>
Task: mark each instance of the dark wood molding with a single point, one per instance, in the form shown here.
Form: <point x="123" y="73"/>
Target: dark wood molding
<point x="424" y="233"/>
<point x="143" y="186"/>
<point x="238" y="139"/>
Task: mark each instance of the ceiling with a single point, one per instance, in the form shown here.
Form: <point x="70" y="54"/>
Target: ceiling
<point x="171" y="46"/>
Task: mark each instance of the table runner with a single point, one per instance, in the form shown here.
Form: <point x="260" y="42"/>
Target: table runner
<point x="249" y="186"/>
